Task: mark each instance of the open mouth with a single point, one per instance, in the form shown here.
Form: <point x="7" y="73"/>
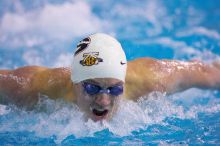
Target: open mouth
<point x="100" y="112"/>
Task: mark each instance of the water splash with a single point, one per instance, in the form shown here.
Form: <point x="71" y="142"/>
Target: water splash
<point x="59" y="119"/>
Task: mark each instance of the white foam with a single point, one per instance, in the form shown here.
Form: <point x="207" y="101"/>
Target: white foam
<point x="47" y="24"/>
<point x="61" y="119"/>
<point x="63" y="60"/>
<point x="182" y="49"/>
<point x="32" y="57"/>
<point x="4" y="109"/>
<point x="199" y="31"/>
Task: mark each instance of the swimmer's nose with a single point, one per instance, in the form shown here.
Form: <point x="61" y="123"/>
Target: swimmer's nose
<point x="103" y="99"/>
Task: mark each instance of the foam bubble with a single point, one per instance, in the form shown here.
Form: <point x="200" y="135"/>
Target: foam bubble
<point x="4" y="109"/>
<point x="199" y="31"/>
<point x="58" y="119"/>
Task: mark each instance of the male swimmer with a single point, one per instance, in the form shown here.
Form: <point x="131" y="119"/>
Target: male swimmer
<point x="100" y="75"/>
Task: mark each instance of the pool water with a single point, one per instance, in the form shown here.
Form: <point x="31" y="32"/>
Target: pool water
<point x="183" y="30"/>
<point x="175" y="119"/>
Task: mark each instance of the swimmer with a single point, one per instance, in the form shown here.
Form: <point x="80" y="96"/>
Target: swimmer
<point x="100" y="75"/>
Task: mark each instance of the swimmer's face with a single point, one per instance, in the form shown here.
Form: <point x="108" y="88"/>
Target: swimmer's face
<point x="101" y="105"/>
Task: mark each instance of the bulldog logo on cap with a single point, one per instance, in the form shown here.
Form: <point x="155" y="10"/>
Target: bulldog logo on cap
<point x="90" y="59"/>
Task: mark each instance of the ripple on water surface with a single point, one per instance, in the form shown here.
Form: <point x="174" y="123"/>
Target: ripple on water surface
<point x="187" y="117"/>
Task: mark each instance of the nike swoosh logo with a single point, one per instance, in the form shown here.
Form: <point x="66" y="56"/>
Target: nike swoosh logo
<point x="122" y="63"/>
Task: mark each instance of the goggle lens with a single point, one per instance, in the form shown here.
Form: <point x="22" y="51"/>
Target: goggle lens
<point x="93" y="89"/>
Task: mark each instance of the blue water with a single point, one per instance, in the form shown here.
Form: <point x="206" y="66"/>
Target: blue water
<point x="45" y="32"/>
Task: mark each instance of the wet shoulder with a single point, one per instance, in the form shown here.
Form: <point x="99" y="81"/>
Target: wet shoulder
<point x="53" y="82"/>
<point x="141" y="77"/>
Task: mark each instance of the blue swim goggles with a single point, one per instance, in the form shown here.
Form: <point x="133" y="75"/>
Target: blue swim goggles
<point x="93" y="89"/>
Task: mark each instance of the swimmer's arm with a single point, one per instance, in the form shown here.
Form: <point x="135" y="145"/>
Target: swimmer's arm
<point x="180" y="76"/>
<point x="185" y="75"/>
<point x="23" y="86"/>
<point x="146" y="75"/>
<point x="16" y="85"/>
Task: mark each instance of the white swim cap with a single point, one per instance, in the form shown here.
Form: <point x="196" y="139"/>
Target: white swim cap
<point x="98" y="56"/>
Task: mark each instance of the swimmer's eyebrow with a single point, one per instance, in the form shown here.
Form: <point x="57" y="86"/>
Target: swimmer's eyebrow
<point x="118" y="83"/>
<point x="97" y="83"/>
<point x="92" y="81"/>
